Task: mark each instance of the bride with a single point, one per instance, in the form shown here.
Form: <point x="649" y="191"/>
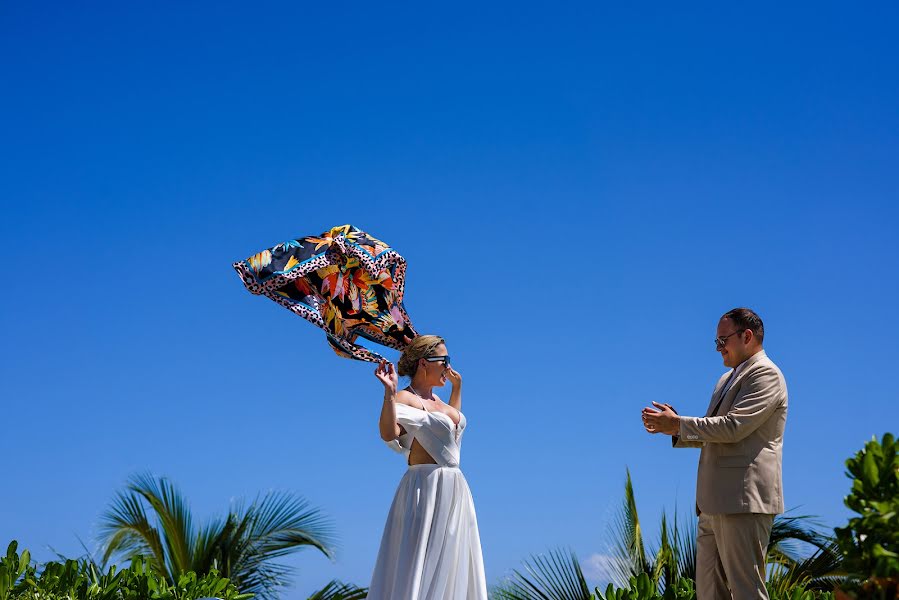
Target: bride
<point x="430" y="549"/>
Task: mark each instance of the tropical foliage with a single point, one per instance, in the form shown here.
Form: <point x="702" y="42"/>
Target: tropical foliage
<point x="869" y="544"/>
<point x="336" y="590"/>
<point x="674" y="557"/>
<point x="643" y="588"/>
<point x="669" y="567"/>
<point x="81" y="580"/>
<point x="152" y="519"/>
<point x="556" y="576"/>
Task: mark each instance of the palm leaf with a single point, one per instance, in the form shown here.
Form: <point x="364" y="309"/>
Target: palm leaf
<point x="556" y="576"/>
<point x="271" y="527"/>
<point x="336" y="590"/>
<point x="127" y="531"/>
<point x="685" y="542"/>
<point x="628" y="550"/>
<point x="665" y="571"/>
<point x="788" y="530"/>
<point x="242" y="546"/>
<point x="282" y="521"/>
<point x="174" y="517"/>
<point x="207" y="548"/>
<point x="821" y="571"/>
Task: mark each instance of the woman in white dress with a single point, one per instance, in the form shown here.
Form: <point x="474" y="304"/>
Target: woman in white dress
<point x="430" y="549"/>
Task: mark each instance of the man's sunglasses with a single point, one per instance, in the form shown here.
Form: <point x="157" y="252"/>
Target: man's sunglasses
<point x="721" y="341"/>
<point x="444" y="359"/>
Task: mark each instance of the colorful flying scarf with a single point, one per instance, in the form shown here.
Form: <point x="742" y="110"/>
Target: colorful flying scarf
<point x="345" y="282"/>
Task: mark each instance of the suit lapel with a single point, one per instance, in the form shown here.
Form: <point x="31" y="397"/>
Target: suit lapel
<point x="731" y="392"/>
<point x="714" y="401"/>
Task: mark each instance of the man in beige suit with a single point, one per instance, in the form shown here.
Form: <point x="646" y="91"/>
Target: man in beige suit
<point x="739" y="487"/>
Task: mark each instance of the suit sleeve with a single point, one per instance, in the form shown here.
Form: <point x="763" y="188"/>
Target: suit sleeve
<point x="679" y="442"/>
<point x="761" y="392"/>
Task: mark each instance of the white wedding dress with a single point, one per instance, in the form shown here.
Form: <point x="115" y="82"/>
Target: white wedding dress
<point x="430" y="549"/>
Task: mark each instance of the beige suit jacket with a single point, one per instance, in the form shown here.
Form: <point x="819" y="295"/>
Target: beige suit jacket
<point x="740" y="465"/>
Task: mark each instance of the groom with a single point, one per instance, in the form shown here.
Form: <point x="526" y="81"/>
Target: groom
<point x="739" y="487"/>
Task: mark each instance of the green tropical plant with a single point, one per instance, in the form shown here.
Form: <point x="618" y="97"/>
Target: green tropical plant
<point x="81" y="580"/>
<point x="642" y="587"/>
<point x="151" y="518"/>
<point x="14" y="570"/>
<point x="556" y="576"/>
<point x="672" y="561"/>
<point x="336" y="590"/>
<point x="869" y="544"/>
<point x="798" y="592"/>
<point x="674" y="557"/>
<point x="821" y="571"/>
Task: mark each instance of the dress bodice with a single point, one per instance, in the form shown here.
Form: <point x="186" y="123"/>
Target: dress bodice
<point x="435" y="431"/>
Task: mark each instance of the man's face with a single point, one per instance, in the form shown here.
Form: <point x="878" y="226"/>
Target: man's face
<point x="734" y="350"/>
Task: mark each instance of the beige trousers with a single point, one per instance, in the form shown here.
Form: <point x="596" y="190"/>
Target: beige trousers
<point x="730" y="556"/>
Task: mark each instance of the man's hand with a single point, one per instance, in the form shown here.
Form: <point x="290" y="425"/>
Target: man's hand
<point x="664" y="420"/>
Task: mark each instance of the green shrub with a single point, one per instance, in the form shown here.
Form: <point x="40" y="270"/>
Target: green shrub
<point x="798" y="592"/>
<point x="643" y="588"/>
<point x="81" y="580"/>
<point x="869" y="544"/>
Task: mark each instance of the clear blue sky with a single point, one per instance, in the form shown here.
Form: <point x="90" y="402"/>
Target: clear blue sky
<point x="580" y="191"/>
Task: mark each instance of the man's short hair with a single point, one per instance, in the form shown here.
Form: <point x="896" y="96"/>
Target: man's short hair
<point x="745" y="318"/>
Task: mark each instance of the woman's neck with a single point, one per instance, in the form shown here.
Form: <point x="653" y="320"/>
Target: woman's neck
<point x="421" y="389"/>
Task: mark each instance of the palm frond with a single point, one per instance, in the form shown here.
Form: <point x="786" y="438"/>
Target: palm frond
<point x="271" y="527"/>
<point x="664" y="568"/>
<point x="789" y="531"/>
<point x="335" y="590"/>
<point x="243" y="546"/>
<point x="264" y="580"/>
<point x="206" y="548"/>
<point x="685" y="542"/>
<point x="281" y="522"/>
<point x="125" y="530"/>
<point x="174" y="517"/>
<point x="556" y="576"/>
<point x="821" y="571"/>
<point x="628" y="551"/>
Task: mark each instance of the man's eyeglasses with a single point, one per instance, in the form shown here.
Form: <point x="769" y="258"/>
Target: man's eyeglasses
<point x="444" y="359"/>
<point x="721" y="341"/>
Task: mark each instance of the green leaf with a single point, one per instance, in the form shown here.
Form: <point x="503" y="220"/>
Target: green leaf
<point x="869" y="470"/>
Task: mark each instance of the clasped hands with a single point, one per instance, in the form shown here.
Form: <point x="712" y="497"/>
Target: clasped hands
<point x="662" y="419"/>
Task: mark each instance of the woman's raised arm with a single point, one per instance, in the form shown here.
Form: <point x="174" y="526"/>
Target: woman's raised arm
<point x="389" y="428"/>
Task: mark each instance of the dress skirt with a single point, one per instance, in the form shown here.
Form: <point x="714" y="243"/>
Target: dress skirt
<point x="430" y="549"/>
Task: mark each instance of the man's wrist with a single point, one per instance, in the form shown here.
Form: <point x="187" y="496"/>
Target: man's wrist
<point x="676" y="426"/>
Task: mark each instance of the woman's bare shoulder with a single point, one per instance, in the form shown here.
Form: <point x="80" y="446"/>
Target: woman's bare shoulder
<point x="407" y="398"/>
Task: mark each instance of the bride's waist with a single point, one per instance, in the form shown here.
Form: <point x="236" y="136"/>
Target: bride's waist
<point x="431" y="466"/>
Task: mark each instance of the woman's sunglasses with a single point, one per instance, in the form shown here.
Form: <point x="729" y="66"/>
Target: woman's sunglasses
<point x="444" y="359"/>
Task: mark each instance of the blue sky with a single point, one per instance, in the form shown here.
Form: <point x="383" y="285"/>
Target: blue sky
<point x="580" y="191"/>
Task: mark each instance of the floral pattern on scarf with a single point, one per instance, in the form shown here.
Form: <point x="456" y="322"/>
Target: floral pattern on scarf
<point x="344" y="281"/>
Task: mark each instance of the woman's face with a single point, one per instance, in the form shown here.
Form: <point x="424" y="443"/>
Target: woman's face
<point x="434" y="370"/>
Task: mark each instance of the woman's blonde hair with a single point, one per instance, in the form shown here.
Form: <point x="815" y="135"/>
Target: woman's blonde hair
<point x="420" y="347"/>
